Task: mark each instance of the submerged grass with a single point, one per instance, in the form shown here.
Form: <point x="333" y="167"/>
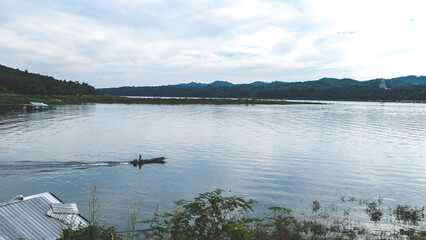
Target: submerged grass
<point x="212" y="215"/>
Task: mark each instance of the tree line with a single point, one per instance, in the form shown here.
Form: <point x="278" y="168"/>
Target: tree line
<point x="23" y="82"/>
<point x="314" y="90"/>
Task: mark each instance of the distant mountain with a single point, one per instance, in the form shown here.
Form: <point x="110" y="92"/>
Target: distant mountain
<point x="396" y="82"/>
<point x="407" y="80"/>
<point x="195" y="84"/>
<point x="24" y="82"/>
<point x="401" y="88"/>
<point x="192" y="84"/>
<point x="331" y="82"/>
<point x="345" y="82"/>
<point x="259" y="83"/>
<point x="221" y="83"/>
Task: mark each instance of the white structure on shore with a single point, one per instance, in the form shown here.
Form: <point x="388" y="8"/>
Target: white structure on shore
<point x="383" y="84"/>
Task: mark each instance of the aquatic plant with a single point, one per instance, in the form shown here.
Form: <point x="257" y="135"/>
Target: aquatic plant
<point x="374" y="211"/>
<point x="409" y="215"/>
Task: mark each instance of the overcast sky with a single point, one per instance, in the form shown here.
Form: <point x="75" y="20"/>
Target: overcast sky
<point x="109" y="43"/>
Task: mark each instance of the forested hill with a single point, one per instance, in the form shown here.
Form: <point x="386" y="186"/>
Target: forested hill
<point x="401" y="88"/>
<point x="17" y="81"/>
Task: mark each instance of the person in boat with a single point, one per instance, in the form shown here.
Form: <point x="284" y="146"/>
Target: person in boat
<point x="140" y="159"/>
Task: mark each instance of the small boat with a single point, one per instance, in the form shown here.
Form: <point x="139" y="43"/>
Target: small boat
<point x="137" y="162"/>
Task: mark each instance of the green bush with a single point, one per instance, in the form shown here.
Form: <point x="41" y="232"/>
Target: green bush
<point x="209" y="216"/>
<point x="214" y="216"/>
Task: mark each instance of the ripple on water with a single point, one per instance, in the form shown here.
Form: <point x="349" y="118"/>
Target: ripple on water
<point x="277" y="155"/>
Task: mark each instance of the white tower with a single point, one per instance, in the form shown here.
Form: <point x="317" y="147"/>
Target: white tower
<point x="383" y="84"/>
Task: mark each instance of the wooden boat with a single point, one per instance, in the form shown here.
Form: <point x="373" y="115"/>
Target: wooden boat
<point x="137" y="162"/>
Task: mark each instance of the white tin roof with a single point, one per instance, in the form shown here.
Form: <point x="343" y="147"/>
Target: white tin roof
<point x="38" y="104"/>
<point x="39" y="216"/>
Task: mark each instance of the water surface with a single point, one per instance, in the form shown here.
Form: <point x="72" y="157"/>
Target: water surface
<point x="277" y="155"/>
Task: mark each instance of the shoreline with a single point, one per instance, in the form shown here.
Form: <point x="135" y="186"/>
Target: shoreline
<point x="10" y="99"/>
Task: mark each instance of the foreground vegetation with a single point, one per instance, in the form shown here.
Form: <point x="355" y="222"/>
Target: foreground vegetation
<point x="212" y="215"/>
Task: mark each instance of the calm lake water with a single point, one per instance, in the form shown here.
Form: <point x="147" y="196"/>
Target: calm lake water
<point x="277" y="155"/>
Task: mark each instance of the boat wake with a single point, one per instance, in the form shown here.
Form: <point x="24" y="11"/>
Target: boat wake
<point x="18" y="167"/>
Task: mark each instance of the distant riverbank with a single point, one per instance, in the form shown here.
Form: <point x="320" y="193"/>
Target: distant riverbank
<point x="10" y="100"/>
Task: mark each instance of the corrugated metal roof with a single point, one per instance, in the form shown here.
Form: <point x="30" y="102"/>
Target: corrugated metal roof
<point x="64" y="208"/>
<point x="39" y="104"/>
<point x="29" y="218"/>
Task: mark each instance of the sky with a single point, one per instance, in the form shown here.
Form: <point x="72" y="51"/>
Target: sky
<point x="112" y="43"/>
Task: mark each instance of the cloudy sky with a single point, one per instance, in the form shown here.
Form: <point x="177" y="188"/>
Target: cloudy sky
<point x="109" y="43"/>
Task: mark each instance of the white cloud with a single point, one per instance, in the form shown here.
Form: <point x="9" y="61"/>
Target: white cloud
<point x="264" y="39"/>
<point x="114" y="43"/>
<point x="244" y="9"/>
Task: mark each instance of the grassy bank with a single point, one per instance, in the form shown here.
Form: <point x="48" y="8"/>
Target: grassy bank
<point x="19" y="99"/>
<point x="212" y="215"/>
